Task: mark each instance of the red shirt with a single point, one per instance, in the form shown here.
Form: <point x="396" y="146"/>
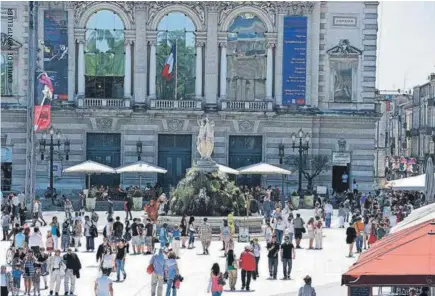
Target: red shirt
<point x="247" y="261"/>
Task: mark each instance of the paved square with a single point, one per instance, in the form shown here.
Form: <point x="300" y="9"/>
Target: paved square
<point x="325" y="267"/>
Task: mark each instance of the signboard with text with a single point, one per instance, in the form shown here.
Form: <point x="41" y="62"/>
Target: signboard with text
<point x="341" y="158"/>
<point x="294" y="60"/>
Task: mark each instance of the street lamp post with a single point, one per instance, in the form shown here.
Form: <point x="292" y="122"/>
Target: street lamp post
<point x="301" y="149"/>
<point x="51" y="144"/>
<point x="281" y="160"/>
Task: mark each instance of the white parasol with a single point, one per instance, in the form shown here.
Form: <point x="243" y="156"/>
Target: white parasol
<point x="141" y="167"/>
<point x="90" y="167"/>
<point x="263" y="169"/>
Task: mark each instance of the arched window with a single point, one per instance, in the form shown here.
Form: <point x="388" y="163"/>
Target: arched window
<point x="104" y="56"/>
<point x="176" y="36"/>
<point x="246" y="56"/>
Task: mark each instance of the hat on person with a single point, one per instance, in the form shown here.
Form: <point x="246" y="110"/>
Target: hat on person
<point x="248" y="247"/>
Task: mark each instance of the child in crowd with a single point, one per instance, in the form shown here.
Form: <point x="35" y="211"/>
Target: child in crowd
<point x="36" y="280"/>
<point x="176" y="236"/>
<point x="268" y="232"/>
<point x="17" y="273"/>
<point x="49" y="242"/>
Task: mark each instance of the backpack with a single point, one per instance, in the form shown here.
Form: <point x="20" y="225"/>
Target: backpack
<point x="127" y="236"/>
<point x="93" y="231"/>
<point x="118" y="229"/>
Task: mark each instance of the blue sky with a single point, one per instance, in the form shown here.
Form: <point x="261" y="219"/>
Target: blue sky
<point x="406" y="43"/>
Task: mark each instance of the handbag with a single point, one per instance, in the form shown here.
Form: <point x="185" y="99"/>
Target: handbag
<point x="150" y="269"/>
<point x="57" y="232"/>
<point x="226" y="275"/>
<point x="221" y="281"/>
<point x="304" y="230"/>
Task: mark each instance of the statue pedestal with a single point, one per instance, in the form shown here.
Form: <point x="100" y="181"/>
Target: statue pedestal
<point x="208" y="166"/>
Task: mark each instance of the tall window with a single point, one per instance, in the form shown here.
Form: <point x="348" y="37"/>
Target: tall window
<point x="246" y="54"/>
<point x="176" y="36"/>
<point x="104" y="56"/>
<point x="7" y="74"/>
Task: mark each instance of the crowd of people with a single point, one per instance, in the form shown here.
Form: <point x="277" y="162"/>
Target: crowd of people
<point x="37" y="257"/>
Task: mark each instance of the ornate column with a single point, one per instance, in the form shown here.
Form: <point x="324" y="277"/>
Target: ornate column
<point x="81" y="68"/>
<point x="223" y="71"/>
<point x="269" y="72"/>
<point x="198" y="70"/>
<point x="152" y="76"/>
<point x="127" y="69"/>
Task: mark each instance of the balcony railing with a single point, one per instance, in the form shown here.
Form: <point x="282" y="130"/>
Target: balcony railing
<point x="103" y="103"/>
<point x="175" y="105"/>
<point x="246" y="105"/>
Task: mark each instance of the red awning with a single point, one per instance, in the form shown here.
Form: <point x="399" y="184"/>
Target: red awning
<point x="404" y="258"/>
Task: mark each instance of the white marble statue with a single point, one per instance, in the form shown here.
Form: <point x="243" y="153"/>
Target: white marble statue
<point x="205" y="139"/>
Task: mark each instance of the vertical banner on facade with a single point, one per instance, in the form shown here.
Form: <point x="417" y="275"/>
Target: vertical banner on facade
<point x="294" y="60"/>
<point x="52" y="81"/>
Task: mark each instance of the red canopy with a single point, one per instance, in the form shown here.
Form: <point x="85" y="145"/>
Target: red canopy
<point x="404" y="258"/>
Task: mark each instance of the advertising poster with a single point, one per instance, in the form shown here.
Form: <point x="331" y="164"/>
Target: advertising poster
<point x="294" y="60"/>
<point x="52" y="81"/>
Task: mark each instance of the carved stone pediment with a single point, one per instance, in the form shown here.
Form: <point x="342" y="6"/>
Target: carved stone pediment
<point x="9" y="43"/>
<point x="246" y="126"/>
<point x="104" y="124"/>
<point x="344" y="49"/>
<point x="175" y="125"/>
<point x="225" y="8"/>
<point x="155" y="6"/>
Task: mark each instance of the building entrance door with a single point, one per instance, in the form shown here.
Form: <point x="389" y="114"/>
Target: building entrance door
<point x="339" y="181"/>
<point x="244" y="151"/>
<point x="175" y="155"/>
<point x="104" y="149"/>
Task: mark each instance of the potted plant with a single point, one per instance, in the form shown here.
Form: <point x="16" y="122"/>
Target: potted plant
<point x="137" y="200"/>
<point x="90" y="199"/>
<point x="295" y="200"/>
<point x="309" y="199"/>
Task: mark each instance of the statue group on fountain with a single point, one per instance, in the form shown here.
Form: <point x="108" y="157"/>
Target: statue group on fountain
<point x="205" y="139"/>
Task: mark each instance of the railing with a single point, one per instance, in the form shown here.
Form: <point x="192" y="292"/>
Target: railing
<point x="103" y="103"/>
<point x="175" y="105"/>
<point x="247" y="105"/>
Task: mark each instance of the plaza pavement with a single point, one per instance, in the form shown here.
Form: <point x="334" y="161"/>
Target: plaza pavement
<point x="324" y="266"/>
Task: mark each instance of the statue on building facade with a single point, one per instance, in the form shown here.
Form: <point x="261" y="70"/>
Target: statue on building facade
<point x="205" y="139"/>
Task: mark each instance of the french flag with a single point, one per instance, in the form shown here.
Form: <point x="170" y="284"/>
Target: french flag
<point x="168" y="68"/>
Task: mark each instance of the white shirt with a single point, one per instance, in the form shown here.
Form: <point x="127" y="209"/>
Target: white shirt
<point x="329" y="209"/>
<point x="280" y="225"/>
<point x="290" y="228"/>
<point x="103" y="285"/>
<point x="35" y="207"/>
<point x="35" y="240"/>
<point x="16" y="200"/>
<point x="3" y="280"/>
<point x="107" y="261"/>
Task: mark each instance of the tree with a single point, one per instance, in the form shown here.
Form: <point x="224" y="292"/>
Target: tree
<point x="318" y="164"/>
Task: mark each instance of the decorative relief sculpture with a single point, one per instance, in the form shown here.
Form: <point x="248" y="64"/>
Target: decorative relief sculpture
<point x="104" y="124"/>
<point x="344" y="49"/>
<point x="155" y="6"/>
<point x="81" y="6"/>
<point x="9" y="43"/>
<point x="175" y="125"/>
<point x="342" y="145"/>
<point x="205" y="139"/>
<point x="246" y="126"/>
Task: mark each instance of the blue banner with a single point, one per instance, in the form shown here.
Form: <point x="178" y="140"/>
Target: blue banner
<point x="294" y="61"/>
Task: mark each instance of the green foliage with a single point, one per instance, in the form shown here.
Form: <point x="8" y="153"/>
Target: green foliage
<point x="221" y="195"/>
<point x="294" y="193"/>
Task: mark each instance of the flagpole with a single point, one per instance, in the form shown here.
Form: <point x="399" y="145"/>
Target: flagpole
<point x="176" y="69"/>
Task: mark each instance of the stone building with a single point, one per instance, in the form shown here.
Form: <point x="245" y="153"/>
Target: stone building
<point x="260" y="70"/>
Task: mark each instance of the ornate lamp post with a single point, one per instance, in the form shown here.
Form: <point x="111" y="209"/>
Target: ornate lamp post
<point x="139" y="150"/>
<point x="281" y="157"/>
<point x="51" y="133"/>
<point x="302" y="147"/>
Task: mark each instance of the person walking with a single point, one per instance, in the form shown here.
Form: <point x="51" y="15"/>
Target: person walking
<point x="149" y="237"/>
<point x="129" y="206"/>
<point x="103" y="285"/>
<point x="29" y="271"/>
<point x="5" y="225"/>
<point x="247" y="265"/>
<point x="311" y="234"/>
<point x="359" y="229"/>
<point x="72" y="271"/>
<point x="66" y="235"/>
<point x="257" y="251"/>
<point x="307" y="289"/>
<point x="89" y="232"/>
<point x="163" y="235"/>
<point x="40" y="213"/>
<point x="287" y="254"/>
<point x="120" y="260"/>
<point x="268" y="232"/>
<point x="231" y="264"/>
<point x="350" y="238"/>
<point x="298" y="223"/>
<point x="289" y="228"/>
<point x="22" y="212"/>
<point x="328" y="214"/>
<point x="225" y="235"/>
<point x="6" y="282"/>
<point x="78" y="232"/>
<point x="105" y="257"/>
<point x="176" y="241"/>
<point x="183" y="226"/>
<point x="216" y="282"/>
<point x="171" y="272"/>
<point x="191" y="228"/>
<point x="272" y="255"/>
<point x="41" y="262"/>
<point x="341" y="216"/>
<point x="118" y="229"/>
<point x="205" y="236"/>
<point x="318" y="233"/>
<point x="280" y="226"/>
<point x="55" y="233"/>
<point x="158" y="265"/>
<point x="35" y="241"/>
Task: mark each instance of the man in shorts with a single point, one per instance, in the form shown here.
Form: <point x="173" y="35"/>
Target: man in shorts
<point x="149" y="237"/>
<point x="135" y="237"/>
